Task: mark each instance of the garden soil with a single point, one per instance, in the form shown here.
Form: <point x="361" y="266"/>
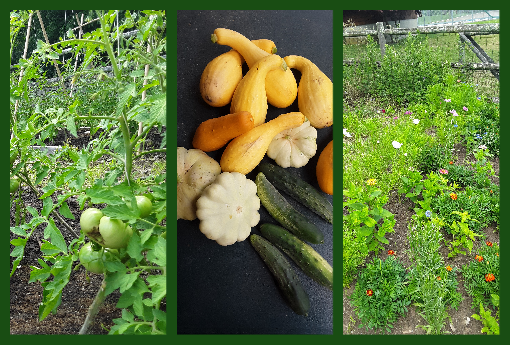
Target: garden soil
<point x="79" y="293"/>
<point x="461" y="320"/>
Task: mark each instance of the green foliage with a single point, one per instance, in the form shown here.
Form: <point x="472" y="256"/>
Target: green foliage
<point x="404" y="73"/>
<point x="139" y="271"/>
<point x="388" y="297"/>
<point x="367" y="215"/>
<point x="355" y="251"/>
<point x="461" y="175"/>
<point x="490" y="323"/>
<point x="432" y="286"/>
<point x="475" y="282"/>
<point x="433" y="157"/>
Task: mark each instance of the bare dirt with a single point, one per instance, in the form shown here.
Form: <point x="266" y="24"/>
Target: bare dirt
<point x="462" y="322"/>
<point x="79" y="293"/>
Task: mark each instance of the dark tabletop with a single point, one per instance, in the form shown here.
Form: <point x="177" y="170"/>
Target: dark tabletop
<point x="229" y="290"/>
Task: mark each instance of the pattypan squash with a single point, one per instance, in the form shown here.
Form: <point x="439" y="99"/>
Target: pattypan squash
<point x="195" y="171"/>
<point x="228" y="208"/>
<point x="294" y="147"/>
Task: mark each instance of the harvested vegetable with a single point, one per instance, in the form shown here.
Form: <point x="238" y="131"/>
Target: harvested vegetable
<point x="283" y="212"/>
<point x="195" y="171"/>
<point x="285" y="276"/>
<point x="222" y="74"/>
<point x="246" y="151"/>
<point x="250" y="94"/>
<point x="311" y="262"/>
<point x="228" y="208"/>
<point x="215" y="133"/>
<point x="294" y="147"/>
<point x="315" y="92"/>
<point x="298" y="189"/>
<point x="281" y="86"/>
<point x="324" y="169"/>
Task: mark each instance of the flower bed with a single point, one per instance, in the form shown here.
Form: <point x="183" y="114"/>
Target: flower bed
<point x="421" y="188"/>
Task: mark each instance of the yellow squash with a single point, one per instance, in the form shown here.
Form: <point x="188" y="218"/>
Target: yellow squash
<point x="280" y="85"/>
<point x="246" y="151"/>
<point x="250" y="94"/>
<point x="222" y="74"/>
<point x="315" y="92"/>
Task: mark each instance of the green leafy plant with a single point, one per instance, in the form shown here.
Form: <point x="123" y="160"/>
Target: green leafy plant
<point x="432" y="158"/>
<point x="481" y="275"/>
<point x="432" y="285"/>
<point x="137" y="268"/>
<point x="462" y="235"/>
<point x="412" y="186"/>
<point x="381" y="295"/>
<point x="355" y="251"/>
<point x="490" y="323"/>
<point x="367" y="215"/>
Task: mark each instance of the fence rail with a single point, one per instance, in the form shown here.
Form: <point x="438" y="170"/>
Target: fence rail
<point x="465" y="32"/>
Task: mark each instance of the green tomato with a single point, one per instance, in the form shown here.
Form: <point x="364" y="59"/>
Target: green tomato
<point x="92" y="260"/>
<point x="114" y="233"/>
<point x="14" y="155"/>
<point x="144" y="205"/>
<point x="14" y="185"/>
<point x="89" y="221"/>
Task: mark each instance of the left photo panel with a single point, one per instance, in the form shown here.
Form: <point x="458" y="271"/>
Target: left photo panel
<point x="88" y="197"/>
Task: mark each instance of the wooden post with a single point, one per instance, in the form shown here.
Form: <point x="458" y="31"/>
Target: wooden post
<point x="48" y="42"/>
<point x="380" y="35"/>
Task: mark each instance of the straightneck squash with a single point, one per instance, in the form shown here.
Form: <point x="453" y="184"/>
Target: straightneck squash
<point x="315" y="92"/>
<point x="250" y="94"/>
<point x="222" y="74"/>
<point x="281" y="86"/>
<point x="246" y="151"/>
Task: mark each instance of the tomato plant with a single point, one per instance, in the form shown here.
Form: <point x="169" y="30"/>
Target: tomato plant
<point x="120" y="108"/>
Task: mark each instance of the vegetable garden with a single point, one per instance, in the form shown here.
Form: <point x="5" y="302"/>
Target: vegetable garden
<point x="88" y="174"/>
<point x="420" y="193"/>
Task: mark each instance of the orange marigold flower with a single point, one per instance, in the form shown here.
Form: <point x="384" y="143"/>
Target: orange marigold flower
<point x="489" y="277"/>
<point x="438" y="278"/>
<point x="488" y="243"/>
<point x="453" y="196"/>
<point x="370" y="292"/>
<point x="451" y="162"/>
<point x="391" y="252"/>
<point x="448" y="268"/>
<point x="497" y="254"/>
<point x="479" y="258"/>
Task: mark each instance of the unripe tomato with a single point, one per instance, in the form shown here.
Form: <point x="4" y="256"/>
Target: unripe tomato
<point x="14" y="155"/>
<point x="89" y="221"/>
<point x="92" y="260"/>
<point x="14" y="185"/>
<point x="144" y="205"/>
<point x="115" y="234"/>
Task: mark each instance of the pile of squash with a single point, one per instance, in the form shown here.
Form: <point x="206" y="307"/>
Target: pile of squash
<point x="268" y="81"/>
<point x="289" y="139"/>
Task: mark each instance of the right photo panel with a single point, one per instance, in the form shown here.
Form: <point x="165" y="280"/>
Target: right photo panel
<point x="421" y="157"/>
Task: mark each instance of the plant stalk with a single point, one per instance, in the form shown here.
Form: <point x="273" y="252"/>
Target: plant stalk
<point x="94" y="308"/>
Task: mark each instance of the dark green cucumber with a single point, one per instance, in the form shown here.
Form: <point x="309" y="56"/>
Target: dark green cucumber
<point x="311" y="262"/>
<point x="285" y="276"/>
<point x="284" y="213"/>
<point x="298" y="189"/>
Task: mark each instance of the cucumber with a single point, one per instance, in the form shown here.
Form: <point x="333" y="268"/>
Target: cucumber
<point x="285" y="276"/>
<point x="298" y="189"/>
<point x="311" y="262"/>
<point x="284" y="213"/>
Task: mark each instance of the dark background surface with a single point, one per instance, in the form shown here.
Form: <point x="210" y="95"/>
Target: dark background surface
<point x="229" y="290"/>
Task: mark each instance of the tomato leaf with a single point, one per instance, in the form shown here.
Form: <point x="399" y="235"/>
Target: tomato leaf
<point x="65" y="211"/>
